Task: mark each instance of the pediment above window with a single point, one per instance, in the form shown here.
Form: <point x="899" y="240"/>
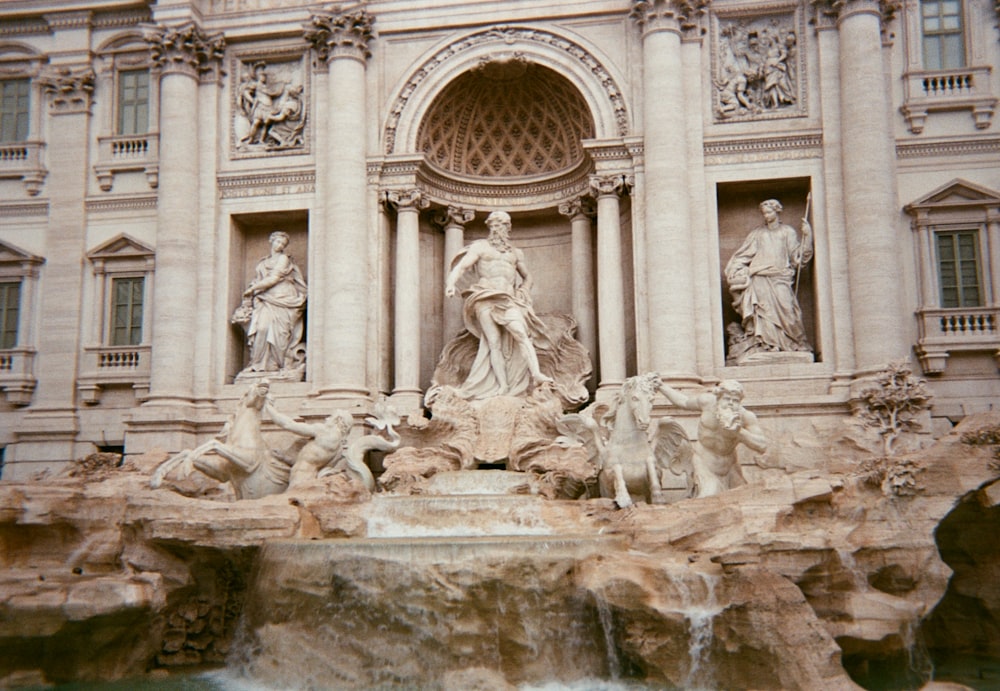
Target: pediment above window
<point x="956" y="194"/>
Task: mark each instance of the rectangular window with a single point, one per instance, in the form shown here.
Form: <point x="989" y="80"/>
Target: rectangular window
<point x="958" y="268"/>
<point x="14" y="95"/>
<point x="10" y="304"/>
<point x="126" y="311"/>
<point x="133" y="102"/>
<point x="944" y="44"/>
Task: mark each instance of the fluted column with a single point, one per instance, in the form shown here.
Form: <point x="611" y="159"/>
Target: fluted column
<point x="342" y="39"/>
<point x="668" y="243"/>
<point x="181" y="53"/>
<point x="869" y="176"/>
<point x="49" y="430"/>
<point x="610" y="280"/>
<point x="580" y="210"/>
<point x="453" y="221"/>
<point x="406" y="331"/>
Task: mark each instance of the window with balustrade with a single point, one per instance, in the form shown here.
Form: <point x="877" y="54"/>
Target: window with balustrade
<point x="19" y="272"/>
<point x="947" y="62"/>
<point x="128" y="143"/>
<point x="15" y="111"/>
<point x="956" y="226"/>
<point x="118" y="350"/>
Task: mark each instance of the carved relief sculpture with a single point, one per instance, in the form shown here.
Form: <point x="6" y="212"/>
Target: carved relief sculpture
<point x="271" y="312"/>
<point x="270" y="113"/>
<point x="756" y="70"/>
<point x="763" y="280"/>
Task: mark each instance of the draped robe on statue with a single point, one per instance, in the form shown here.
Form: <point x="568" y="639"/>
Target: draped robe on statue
<point x="761" y="275"/>
<point x="276" y="327"/>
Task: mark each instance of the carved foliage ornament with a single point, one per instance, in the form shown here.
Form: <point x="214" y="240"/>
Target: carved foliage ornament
<point x="683" y="15"/>
<point x="340" y="32"/>
<point x="185" y="48"/>
<point x="70" y="89"/>
<point x="832" y="9"/>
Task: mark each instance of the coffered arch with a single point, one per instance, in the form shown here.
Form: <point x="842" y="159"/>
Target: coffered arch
<point x="589" y="72"/>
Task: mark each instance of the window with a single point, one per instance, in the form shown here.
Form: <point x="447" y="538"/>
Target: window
<point x="943" y="40"/>
<point x="126" y="311"/>
<point x="133" y="102"/>
<point x="14" y="98"/>
<point x="10" y="303"/>
<point x="958" y="268"/>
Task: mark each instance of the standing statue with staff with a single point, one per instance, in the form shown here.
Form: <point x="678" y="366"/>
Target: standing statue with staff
<point x="763" y="280"/>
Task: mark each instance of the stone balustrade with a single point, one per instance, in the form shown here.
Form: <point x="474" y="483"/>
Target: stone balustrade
<point x="966" y="88"/>
<point x="17" y="379"/>
<point x="121" y="153"/>
<point x="943" y="331"/>
<point x="113" y="365"/>
<point x="23" y="160"/>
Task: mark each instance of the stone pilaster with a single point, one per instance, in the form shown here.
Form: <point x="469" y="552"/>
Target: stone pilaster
<point x="610" y="280"/>
<point x="342" y="40"/>
<point x="869" y="175"/>
<point x="668" y="245"/>
<point x="49" y="431"/>
<point x="453" y="221"/>
<point x="406" y="332"/>
<point x="580" y="210"/>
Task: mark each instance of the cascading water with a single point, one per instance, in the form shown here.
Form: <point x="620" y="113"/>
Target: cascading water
<point x="699" y="610"/>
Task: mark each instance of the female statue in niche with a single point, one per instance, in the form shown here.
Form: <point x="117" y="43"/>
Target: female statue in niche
<point x="762" y="277"/>
<point x="271" y="312"/>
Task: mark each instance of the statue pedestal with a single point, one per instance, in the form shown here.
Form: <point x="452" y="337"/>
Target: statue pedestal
<point x="779" y="358"/>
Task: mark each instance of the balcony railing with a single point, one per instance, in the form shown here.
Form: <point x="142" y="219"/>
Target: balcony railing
<point x="967" y="88"/>
<point x="16" y="374"/>
<point x="943" y="331"/>
<point x="113" y="365"/>
<point x="120" y="153"/>
<point x="23" y="160"/>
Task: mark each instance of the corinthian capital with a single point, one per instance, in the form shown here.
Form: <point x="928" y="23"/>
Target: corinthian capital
<point x="341" y="33"/>
<point x="402" y="200"/>
<point x="578" y="206"/>
<point x="607" y="185"/>
<point x="838" y="9"/>
<point x="668" y="15"/>
<point x="185" y="49"/>
<point x="69" y="88"/>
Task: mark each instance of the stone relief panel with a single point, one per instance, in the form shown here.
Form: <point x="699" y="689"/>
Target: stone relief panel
<point x="758" y="69"/>
<point x="269" y="106"/>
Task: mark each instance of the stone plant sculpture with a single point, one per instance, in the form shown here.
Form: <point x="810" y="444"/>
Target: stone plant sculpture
<point x="239" y="455"/>
<point x="631" y="448"/>
<point x="891" y="405"/>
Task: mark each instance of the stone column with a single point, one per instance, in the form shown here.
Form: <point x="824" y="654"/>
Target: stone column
<point x="406" y="332"/>
<point x="869" y="177"/>
<point x="342" y="38"/>
<point x="610" y="280"/>
<point x="580" y="210"/>
<point x="668" y="244"/>
<point x="181" y="53"/>
<point x="48" y="432"/>
<point x="453" y="221"/>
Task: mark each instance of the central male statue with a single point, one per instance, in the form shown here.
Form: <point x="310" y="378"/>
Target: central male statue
<point x="499" y="313"/>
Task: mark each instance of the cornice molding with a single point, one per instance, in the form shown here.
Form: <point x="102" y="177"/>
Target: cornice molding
<point x="24" y="209"/>
<point x="238" y="185"/>
<point x="145" y="202"/>
<point x="808" y="145"/>
<point x="948" y="147"/>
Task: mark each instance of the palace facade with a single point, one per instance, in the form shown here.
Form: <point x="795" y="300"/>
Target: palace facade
<point x="149" y="149"/>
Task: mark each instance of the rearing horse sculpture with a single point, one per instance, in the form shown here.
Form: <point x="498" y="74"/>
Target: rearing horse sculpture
<point x="239" y="455"/>
<point x="630" y="447"/>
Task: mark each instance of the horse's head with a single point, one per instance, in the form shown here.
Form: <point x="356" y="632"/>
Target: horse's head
<point x="637" y="395"/>
<point x="256" y="395"/>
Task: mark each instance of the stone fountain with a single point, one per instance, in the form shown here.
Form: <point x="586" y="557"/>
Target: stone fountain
<point x="515" y="537"/>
